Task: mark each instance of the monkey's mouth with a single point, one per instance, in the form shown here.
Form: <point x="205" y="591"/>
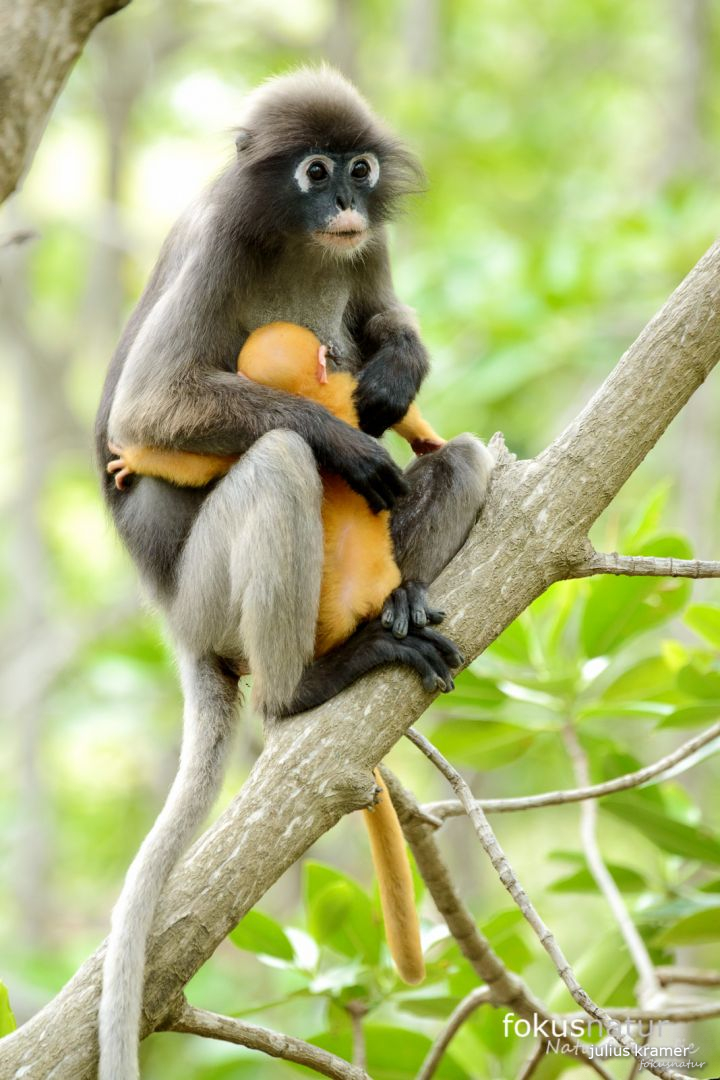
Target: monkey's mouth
<point x="344" y="232"/>
<point x="341" y="240"/>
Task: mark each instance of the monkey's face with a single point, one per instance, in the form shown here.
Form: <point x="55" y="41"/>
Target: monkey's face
<point x="333" y="195"/>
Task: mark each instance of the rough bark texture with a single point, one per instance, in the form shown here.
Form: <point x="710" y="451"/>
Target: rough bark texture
<point x="317" y="767"/>
<point x="40" y="40"/>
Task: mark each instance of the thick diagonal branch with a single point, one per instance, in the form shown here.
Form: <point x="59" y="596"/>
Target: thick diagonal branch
<point x="317" y="767"/>
<point x="40" y="40"/>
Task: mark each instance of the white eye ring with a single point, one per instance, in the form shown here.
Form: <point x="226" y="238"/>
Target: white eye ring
<point x="373" y="164"/>
<point x="302" y="179"/>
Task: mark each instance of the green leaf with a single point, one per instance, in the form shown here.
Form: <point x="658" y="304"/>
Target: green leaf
<point x="513" y="644"/>
<point x="644" y="681"/>
<point x="692" y="842"/>
<point x="340" y="914"/>
<point x="701" y="928"/>
<point x="481" y="744"/>
<point x="505" y="932"/>
<point x="618" y="609"/>
<point x="582" y="881"/>
<point x="436" y="1006"/>
<point x="7" y="1020"/>
<point x="704" y="619"/>
<point x="477" y="691"/>
<point x="393" y="1053"/>
<point x="258" y="933"/>
<point x="698" y="683"/>
<point x="691" y="715"/>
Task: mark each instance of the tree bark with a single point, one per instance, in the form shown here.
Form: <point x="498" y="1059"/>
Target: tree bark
<point x="532" y="532"/>
<point x="40" y="40"/>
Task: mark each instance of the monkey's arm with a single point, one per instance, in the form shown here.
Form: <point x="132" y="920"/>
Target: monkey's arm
<point x="395" y="359"/>
<point x="175" y="466"/>
<point x="416" y="430"/>
<point x="178" y="391"/>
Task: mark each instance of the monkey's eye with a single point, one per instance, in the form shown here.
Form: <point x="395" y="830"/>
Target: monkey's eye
<point x="316" y="171"/>
<point x="360" y="170"/>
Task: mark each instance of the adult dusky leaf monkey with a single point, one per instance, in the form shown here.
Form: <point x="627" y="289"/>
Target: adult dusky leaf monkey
<point x="293" y="230"/>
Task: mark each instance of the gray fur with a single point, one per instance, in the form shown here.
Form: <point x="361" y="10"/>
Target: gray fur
<point x="249" y="577"/>
<point x="210" y="698"/>
<point x="446" y="492"/>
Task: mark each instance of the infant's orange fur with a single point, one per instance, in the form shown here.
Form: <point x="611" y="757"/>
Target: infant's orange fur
<point x="359" y="569"/>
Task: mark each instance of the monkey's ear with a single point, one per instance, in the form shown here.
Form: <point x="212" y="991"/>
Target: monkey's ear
<point x="242" y="139"/>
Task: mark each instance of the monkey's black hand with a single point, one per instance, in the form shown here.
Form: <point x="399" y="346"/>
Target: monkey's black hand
<point x="363" y="463"/>
<point x="385" y="390"/>
<point x="408" y="606"/>
<point x="431" y="655"/>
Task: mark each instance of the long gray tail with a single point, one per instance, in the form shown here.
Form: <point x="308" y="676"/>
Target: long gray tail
<point x="208" y="724"/>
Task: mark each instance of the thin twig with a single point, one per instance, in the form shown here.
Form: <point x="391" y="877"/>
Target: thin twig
<point x="533" y="1061"/>
<point x="643" y="566"/>
<point x="454" y="807"/>
<point x="509" y="880"/>
<point x="357" y="1011"/>
<point x="472" y="1001"/>
<point x="637" y="1063"/>
<point x="211" y="1025"/>
<point x="679" y="1014"/>
<point x="669" y="974"/>
<point x="649" y="984"/>
<point x="506" y="987"/>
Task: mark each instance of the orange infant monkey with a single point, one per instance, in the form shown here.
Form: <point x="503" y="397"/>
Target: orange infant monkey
<point x="359" y="568"/>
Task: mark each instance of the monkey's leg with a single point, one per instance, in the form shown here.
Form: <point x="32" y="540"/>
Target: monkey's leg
<point x="431" y="522"/>
<point x="210" y="697"/>
<point x="249" y="576"/>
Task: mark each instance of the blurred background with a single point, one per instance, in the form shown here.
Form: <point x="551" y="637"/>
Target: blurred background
<point x="573" y="161"/>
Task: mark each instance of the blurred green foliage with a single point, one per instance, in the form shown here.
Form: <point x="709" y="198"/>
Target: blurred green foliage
<point x="572" y="160"/>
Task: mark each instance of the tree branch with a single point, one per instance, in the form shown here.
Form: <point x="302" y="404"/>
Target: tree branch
<point x="472" y="1001"/>
<point x="532" y="531"/>
<point x="533" y="1062"/>
<point x="644" y="566"/>
<point x="192" y="1021"/>
<point x="509" y="880"/>
<point x="649" y="986"/>
<point x="40" y="40"/>
<point x="669" y="974"/>
<point x="680" y="1014"/>
<point x="439" y="811"/>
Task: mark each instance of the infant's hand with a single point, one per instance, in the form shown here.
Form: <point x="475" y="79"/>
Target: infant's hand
<point x="118" y="467"/>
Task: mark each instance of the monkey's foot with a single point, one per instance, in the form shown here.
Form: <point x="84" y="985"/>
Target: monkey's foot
<point x="118" y="467"/>
<point x="408" y="606"/>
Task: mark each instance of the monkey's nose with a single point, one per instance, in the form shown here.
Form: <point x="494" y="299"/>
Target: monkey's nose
<point x="344" y="203"/>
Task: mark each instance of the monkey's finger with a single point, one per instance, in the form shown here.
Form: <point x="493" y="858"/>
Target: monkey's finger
<point x="447" y="648"/>
<point x="375" y="501"/>
<point x="401" y="614"/>
<point x="120" y="479"/>
<point x="413" y="658"/>
<point x="434" y="616"/>
<point x="387" y="616"/>
<point x="380" y="495"/>
<point x="417" y="598"/>
<point x="418" y="616"/>
<point x="115" y="465"/>
<point x="394" y="479"/>
<point x="435" y="658"/>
